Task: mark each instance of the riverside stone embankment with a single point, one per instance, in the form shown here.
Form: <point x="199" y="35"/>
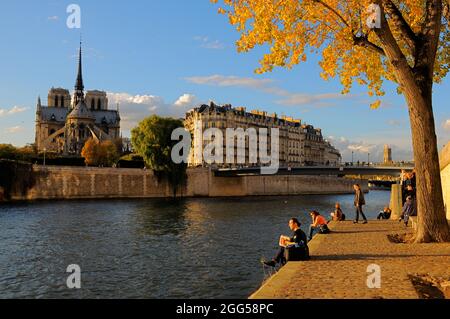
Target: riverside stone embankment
<point x="341" y="266"/>
<point x="93" y="183"/>
<point x="341" y="259"/>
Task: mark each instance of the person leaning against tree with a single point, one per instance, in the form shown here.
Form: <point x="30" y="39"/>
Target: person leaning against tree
<point x="359" y="203"/>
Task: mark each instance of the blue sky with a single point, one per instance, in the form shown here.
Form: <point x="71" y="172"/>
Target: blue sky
<point x="165" y="57"/>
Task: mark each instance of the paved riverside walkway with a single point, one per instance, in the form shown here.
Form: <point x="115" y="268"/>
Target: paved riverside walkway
<point x="338" y="268"/>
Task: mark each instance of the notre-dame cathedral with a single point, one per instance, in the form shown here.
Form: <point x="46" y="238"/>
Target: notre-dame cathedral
<point x="67" y="123"/>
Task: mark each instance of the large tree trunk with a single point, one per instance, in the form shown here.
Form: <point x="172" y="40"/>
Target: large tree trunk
<point x="417" y="86"/>
<point x="432" y="223"/>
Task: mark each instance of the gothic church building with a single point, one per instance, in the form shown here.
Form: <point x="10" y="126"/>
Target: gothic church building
<point x="67" y="123"/>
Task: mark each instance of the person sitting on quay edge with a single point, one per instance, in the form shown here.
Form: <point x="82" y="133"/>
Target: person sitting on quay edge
<point x="337" y="215"/>
<point x="359" y="203"/>
<point x="298" y="239"/>
<point x="319" y="225"/>
<point x="409" y="191"/>
<point x="410" y="209"/>
<point x="385" y="214"/>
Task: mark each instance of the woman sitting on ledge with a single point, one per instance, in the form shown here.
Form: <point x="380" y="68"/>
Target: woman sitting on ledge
<point x="337" y="215"/>
<point x="319" y="225"/>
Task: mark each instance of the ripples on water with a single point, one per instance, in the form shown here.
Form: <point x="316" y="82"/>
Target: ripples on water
<point x="192" y="248"/>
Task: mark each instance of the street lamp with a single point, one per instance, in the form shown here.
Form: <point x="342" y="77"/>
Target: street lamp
<point x="353" y="153"/>
<point x="45" y="150"/>
<point x="368" y="159"/>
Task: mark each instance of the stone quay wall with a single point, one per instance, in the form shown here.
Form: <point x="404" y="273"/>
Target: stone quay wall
<point x="445" y="174"/>
<point x="97" y="183"/>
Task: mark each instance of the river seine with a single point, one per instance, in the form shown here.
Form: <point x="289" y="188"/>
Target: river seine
<point x="192" y="248"/>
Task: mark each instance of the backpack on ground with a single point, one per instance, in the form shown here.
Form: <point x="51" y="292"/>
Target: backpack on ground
<point x="323" y="229"/>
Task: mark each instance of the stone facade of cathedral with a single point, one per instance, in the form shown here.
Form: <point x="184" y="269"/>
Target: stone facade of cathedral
<point x="66" y="123"/>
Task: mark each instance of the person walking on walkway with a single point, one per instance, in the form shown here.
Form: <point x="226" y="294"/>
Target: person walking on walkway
<point x="359" y="203"/>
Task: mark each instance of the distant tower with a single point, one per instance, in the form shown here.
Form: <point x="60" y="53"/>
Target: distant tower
<point x="387" y="155"/>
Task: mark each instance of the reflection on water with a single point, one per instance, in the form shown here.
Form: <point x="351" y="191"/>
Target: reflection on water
<point x="162" y="217"/>
<point x="193" y="248"/>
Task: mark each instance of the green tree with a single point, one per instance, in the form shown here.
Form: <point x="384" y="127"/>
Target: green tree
<point x="405" y="41"/>
<point x="7" y="151"/>
<point x="152" y="139"/>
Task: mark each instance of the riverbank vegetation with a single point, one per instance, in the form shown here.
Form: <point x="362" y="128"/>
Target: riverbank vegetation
<point x="152" y="139"/>
<point x="15" y="178"/>
<point x="10" y="152"/>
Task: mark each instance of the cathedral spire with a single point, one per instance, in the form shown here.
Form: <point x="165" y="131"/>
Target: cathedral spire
<point x="79" y="86"/>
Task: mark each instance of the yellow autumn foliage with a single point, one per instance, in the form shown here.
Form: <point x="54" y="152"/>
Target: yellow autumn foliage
<point x="294" y="28"/>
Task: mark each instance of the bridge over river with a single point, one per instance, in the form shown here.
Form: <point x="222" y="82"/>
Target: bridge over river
<point x="377" y="175"/>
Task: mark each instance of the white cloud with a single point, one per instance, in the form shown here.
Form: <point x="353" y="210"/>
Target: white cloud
<point x="362" y="149"/>
<point x="134" y="108"/>
<point x="14" y="110"/>
<point x="209" y="44"/>
<point x="17" y="109"/>
<point x="447" y="125"/>
<point x="267" y="86"/>
<point x="221" y="80"/>
<point x="53" y="18"/>
<point x="317" y="100"/>
<point x="15" y="129"/>
<point x="186" y="100"/>
<point x="396" y="122"/>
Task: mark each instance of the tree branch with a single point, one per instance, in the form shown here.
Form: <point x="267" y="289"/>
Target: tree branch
<point x="363" y="41"/>
<point x="400" y="24"/>
<point x="446" y="11"/>
<point x="429" y="38"/>
<point x="403" y="72"/>
<point x="333" y="11"/>
<point x="433" y="15"/>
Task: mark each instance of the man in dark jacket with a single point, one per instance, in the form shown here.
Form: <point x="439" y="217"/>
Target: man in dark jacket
<point x="298" y="239"/>
<point x="359" y="203"/>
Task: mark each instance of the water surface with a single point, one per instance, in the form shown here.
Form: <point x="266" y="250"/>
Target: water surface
<point x="192" y="248"/>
